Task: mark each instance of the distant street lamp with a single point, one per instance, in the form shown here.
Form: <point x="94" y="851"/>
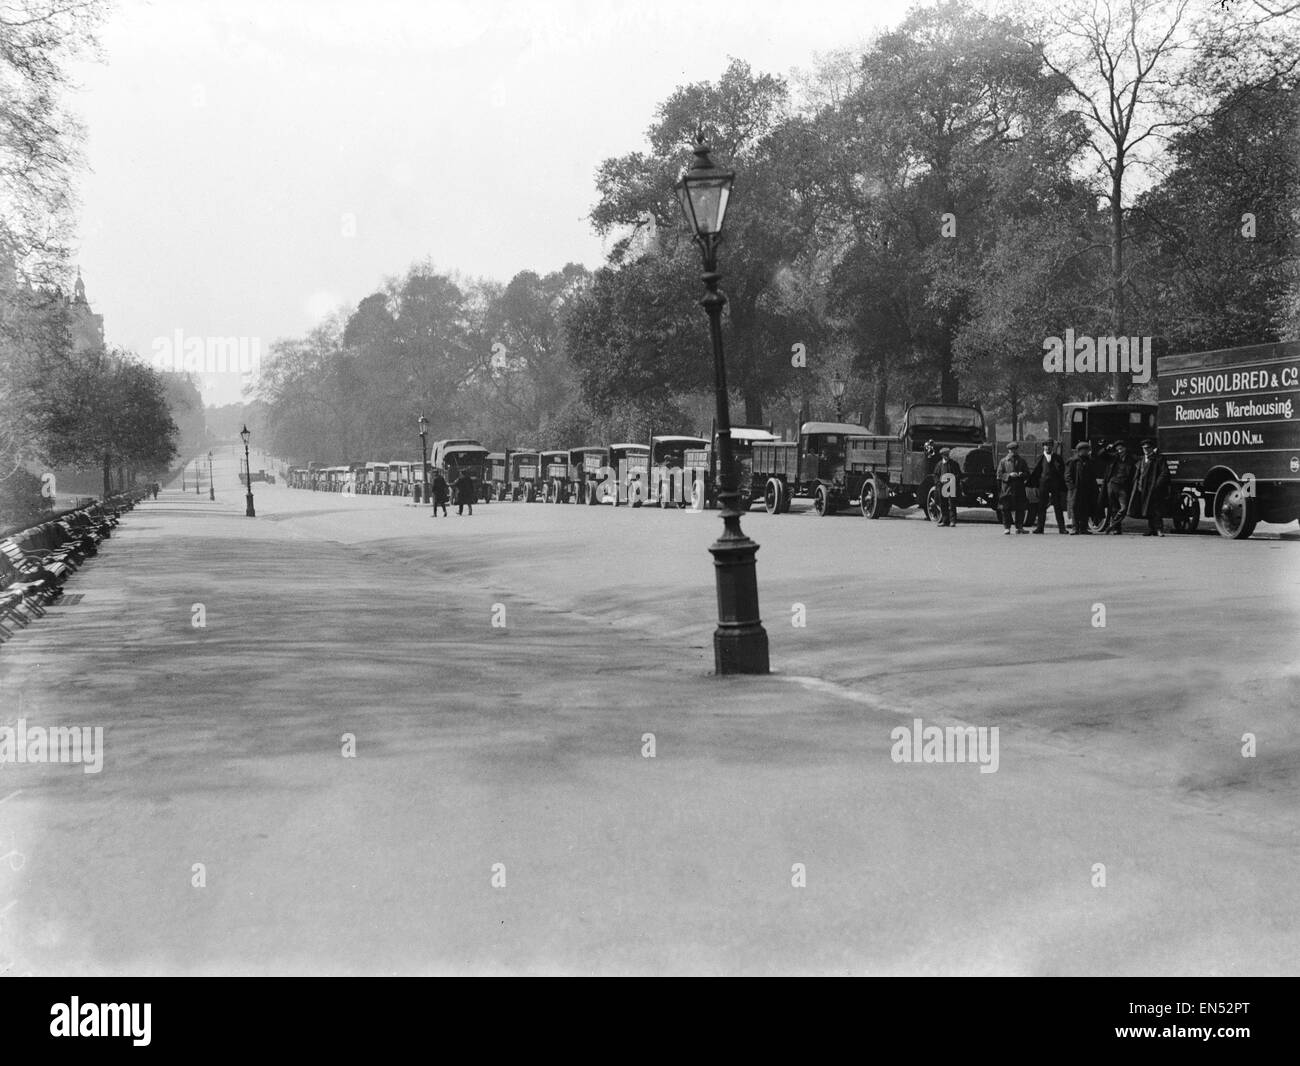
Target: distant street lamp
<point x="424" y="458"/>
<point x="248" y="467"/>
<point x="838" y="385"/>
<point x="212" y="494"/>
<point x="198" y="476"/>
<point x="739" y="642"/>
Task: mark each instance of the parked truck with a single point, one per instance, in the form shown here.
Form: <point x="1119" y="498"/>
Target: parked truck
<point x="813" y="467"/>
<point x="701" y="465"/>
<point x="898" y="470"/>
<point x="1229" y="430"/>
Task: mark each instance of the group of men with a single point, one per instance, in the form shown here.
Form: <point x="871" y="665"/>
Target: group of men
<point x="441" y="492"/>
<point x="1130" y="487"/>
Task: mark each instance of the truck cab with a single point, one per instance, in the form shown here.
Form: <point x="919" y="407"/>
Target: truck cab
<point x="456" y="457"/>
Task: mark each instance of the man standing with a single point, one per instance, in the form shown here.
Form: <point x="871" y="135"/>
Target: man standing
<point x="1117" y="487"/>
<point x="1151" y="490"/>
<point x="947" y="468"/>
<point x="464" y="494"/>
<point x="1013" y="472"/>
<point x="1049" y="478"/>
<point x="1081" y="484"/>
<point x="440" y="492"/>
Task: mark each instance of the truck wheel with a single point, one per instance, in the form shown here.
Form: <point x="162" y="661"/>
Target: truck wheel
<point x="774" y="496"/>
<point x="822" y="501"/>
<point x="933" y="508"/>
<point x="1235" y="514"/>
<point x="1187" y="512"/>
<point x="875" y="498"/>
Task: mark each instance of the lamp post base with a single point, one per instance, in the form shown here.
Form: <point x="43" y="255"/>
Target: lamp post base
<point x="740" y="641"/>
<point x="248" y="507"/>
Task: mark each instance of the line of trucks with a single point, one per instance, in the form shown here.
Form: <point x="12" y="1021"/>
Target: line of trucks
<point x="1224" y="420"/>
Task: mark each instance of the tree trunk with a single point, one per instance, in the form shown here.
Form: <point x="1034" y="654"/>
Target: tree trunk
<point x="753" y="409"/>
<point x="879" y="416"/>
<point x="108" y="474"/>
<point x="1015" y="413"/>
<point x="947" y="377"/>
<point x="1119" y="384"/>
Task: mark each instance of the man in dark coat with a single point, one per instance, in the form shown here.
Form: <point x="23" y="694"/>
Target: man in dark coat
<point x="440" y="493"/>
<point x="1013" y="473"/>
<point x="948" y="492"/>
<point x="1117" y="487"/>
<point x="1048" y="476"/>
<point x="1151" y="490"/>
<point x="1081" y="484"/>
<point x="464" y="494"/>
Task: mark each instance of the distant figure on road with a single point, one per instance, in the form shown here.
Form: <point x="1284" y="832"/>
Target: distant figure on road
<point x="1013" y="472"/>
<point x="947" y="503"/>
<point x="440" y="494"/>
<point x="1049" y="478"/>
<point x="1118" y="487"/>
<point x="1151" y="490"/>
<point x="154" y="489"/>
<point x="1083" y="488"/>
<point x="464" y="494"/>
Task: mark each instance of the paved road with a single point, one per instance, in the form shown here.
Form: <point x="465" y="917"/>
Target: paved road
<point x="522" y="745"/>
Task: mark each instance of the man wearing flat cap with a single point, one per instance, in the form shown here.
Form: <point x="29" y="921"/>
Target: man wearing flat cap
<point x="947" y="478"/>
<point x="1049" y="478"/>
<point x="1013" y="473"/>
<point x="1118" y="487"/>
<point x="1081" y="484"/>
<point x="1151" y="490"/>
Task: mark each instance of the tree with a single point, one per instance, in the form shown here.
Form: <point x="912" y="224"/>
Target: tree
<point x="741" y="116"/>
<point x="38" y="137"/>
<point x="949" y="137"/>
<point x="1218" y="235"/>
<point x="107" y="409"/>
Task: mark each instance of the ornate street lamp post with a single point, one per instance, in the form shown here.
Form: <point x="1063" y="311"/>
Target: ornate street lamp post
<point x="248" y="468"/>
<point x="424" y="458"/>
<point x="198" y="476"/>
<point x="212" y="494"/>
<point x="739" y="642"/>
<point x="838" y="385"/>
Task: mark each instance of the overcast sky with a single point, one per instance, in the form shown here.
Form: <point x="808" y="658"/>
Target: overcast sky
<point x="228" y="140"/>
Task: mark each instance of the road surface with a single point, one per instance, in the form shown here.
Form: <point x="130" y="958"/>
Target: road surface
<point x="498" y="811"/>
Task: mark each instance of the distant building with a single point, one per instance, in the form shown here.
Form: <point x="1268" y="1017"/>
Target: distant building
<point x="85" y="327"/>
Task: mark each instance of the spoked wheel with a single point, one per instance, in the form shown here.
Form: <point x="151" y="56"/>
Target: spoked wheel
<point x="933" y="506"/>
<point x="875" y="498"/>
<point x="822" y="501"/>
<point x="1187" y="513"/>
<point x="1235" y="513"/>
<point x="774" y="496"/>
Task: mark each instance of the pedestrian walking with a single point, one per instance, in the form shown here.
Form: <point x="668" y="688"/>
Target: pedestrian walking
<point x="440" y="493"/>
<point x="1081" y="486"/>
<point x="947" y="476"/>
<point x="1013" y="473"/>
<point x="1150" y="497"/>
<point x="1118" y="488"/>
<point x="464" y="494"/>
<point x="1048" y="477"/>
